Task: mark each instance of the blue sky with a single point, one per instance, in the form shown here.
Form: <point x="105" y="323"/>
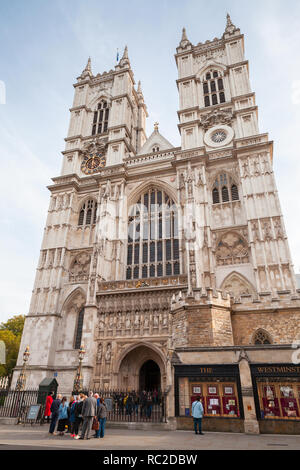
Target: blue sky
<point x="45" y="46"/>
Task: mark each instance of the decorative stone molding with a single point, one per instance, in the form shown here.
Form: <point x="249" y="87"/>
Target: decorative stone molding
<point x="80" y="267"/>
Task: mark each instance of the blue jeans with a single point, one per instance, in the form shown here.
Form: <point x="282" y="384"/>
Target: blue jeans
<point x="198" y="421"/>
<point x="101" y="430"/>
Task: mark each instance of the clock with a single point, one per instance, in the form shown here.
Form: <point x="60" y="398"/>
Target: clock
<point x="219" y="136"/>
<point x="93" y="163"/>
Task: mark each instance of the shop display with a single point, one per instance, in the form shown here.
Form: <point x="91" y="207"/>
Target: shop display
<point x="278" y="399"/>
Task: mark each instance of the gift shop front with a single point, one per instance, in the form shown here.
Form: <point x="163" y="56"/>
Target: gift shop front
<point x="219" y="389"/>
<point x="277" y="397"/>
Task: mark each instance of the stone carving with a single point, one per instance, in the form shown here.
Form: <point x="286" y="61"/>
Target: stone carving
<point x="246" y="172"/>
<point x="232" y="249"/>
<point x="99" y="353"/>
<point x="278" y="229"/>
<point x="80" y="267"/>
<point x="267" y="231"/>
<point x="94" y="146"/>
<point x="108" y="353"/>
<point x="255" y="231"/>
<point x="236" y="286"/>
<point x="215" y="118"/>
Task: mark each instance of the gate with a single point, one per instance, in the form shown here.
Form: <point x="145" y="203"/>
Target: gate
<point x="16" y="404"/>
<point x="135" y="407"/>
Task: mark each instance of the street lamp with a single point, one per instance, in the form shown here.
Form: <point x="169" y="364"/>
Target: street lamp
<point x="22" y="377"/>
<point x="78" y="382"/>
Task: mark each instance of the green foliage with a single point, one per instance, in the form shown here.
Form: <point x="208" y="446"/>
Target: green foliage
<point x="14" y="324"/>
<point x="11" y="333"/>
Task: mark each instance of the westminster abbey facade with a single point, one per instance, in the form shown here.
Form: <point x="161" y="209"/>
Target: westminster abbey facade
<point x="171" y="265"/>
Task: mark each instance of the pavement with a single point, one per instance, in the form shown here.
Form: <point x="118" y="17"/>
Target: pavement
<point x="37" y="437"/>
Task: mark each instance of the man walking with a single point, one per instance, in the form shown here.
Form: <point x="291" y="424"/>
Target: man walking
<point x="89" y="411"/>
<point x="54" y="413"/>
<point x="197" y="413"/>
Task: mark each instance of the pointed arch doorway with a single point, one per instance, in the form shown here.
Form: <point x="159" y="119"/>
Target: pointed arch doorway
<point x="141" y="367"/>
<point x="149" y="378"/>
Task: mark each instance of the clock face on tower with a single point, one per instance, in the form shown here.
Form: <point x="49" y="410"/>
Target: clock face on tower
<point x="93" y="163"/>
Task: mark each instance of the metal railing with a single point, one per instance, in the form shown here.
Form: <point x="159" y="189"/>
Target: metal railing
<point x="133" y="406"/>
<point x="16" y="404"/>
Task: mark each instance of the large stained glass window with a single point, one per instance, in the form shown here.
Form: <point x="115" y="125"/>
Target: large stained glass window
<point x="153" y="243"/>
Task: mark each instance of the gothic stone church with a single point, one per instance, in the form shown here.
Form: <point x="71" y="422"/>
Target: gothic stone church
<point x="171" y="265"/>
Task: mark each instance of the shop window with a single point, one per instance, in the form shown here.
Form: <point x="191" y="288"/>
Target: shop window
<point x="219" y="396"/>
<point x="279" y="398"/>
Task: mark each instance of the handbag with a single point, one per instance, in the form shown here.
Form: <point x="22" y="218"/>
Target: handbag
<point x="95" y="425"/>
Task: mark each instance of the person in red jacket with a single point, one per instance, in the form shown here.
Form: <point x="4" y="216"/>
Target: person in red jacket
<point x="49" y="401"/>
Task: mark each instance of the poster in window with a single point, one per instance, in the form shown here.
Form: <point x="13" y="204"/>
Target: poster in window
<point x="286" y="391"/>
<point x="269" y="392"/>
<point x="197" y="391"/>
<point x="228" y="391"/>
<point x="212" y="390"/>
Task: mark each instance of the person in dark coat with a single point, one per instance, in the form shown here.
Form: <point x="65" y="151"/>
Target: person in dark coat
<point x="101" y="415"/>
<point x="54" y="413"/>
<point x="89" y="411"/>
<point x="78" y="415"/>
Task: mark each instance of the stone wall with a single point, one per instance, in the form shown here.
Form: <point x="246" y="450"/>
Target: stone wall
<point x="282" y="326"/>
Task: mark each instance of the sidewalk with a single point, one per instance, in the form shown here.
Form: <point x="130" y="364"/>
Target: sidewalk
<point x="121" y="439"/>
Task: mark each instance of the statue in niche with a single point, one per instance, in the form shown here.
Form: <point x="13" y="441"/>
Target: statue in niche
<point x="137" y="320"/>
<point x="119" y="321"/>
<point x="127" y="323"/>
<point x="146" y="321"/>
<point x="165" y="320"/>
<point x="156" y="320"/>
<point x="111" y="321"/>
<point x="99" y="352"/>
<point x="108" y="353"/>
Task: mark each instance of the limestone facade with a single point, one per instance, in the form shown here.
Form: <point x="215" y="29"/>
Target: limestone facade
<point x="216" y="269"/>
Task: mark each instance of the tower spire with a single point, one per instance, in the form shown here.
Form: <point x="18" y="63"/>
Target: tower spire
<point x="184" y="40"/>
<point x="125" y="59"/>
<point x="230" y="27"/>
<point x="88" y="69"/>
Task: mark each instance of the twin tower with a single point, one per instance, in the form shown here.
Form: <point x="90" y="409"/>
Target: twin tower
<point x="170" y="265"/>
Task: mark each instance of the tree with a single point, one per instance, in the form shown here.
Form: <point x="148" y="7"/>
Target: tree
<point x="14" y="324"/>
<point x="10" y="334"/>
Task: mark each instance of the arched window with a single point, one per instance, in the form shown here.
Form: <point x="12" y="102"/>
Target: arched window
<point x="79" y="328"/>
<point x="88" y="213"/>
<point x="100" y="121"/>
<point x="262" y="337"/>
<point x="213" y="89"/>
<point x="224" y="190"/>
<point x="153" y="243"/>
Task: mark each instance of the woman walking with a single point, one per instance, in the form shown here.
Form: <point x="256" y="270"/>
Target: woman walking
<point x="63" y="416"/>
<point x="78" y="415"/>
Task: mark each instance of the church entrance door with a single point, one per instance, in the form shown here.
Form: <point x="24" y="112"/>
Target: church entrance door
<point x="150" y="376"/>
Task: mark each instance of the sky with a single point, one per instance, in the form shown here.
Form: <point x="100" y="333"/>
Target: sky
<point x="45" y="47"/>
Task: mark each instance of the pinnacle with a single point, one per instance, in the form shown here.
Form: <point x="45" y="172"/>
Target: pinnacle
<point x="184" y="36"/>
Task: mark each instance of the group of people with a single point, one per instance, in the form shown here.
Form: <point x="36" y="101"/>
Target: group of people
<point x="132" y="403"/>
<point x="81" y="413"/>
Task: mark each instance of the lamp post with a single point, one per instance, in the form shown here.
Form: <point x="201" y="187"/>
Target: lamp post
<point x="78" y="382"/>
<point x="20" y="385"/>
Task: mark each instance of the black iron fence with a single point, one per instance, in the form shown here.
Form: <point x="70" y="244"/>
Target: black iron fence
<point x="16" y="404"/>
<point x="134" y="406"/>
<point x="122" y="406"/>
